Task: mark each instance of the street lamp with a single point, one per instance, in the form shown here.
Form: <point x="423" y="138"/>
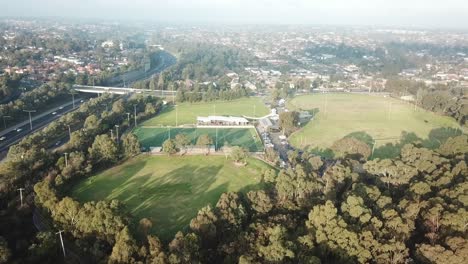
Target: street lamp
<point x="30" y="119"/>
<point x="69" y="131"/>
<point x="21" y="195"/>
<point x="66" y="159"/>
<point x="4" y="120"/>
<point x="117" y="132"/>
<point x="73" y="98"/>
<point x="107" y="107"/>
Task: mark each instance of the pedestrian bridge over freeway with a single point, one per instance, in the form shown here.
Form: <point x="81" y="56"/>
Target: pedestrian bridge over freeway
<point x="120" y="90"/>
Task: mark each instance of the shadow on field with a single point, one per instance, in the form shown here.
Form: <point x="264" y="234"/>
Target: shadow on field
<point x="436" y="138"/>
<point x="107" y="186"/>
<point x="171" y="200"/>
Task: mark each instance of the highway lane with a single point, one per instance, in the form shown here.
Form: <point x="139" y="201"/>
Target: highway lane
<point x="126" y="80"/>
<point x="15" y="135"/>
<point x="24" y="129"/>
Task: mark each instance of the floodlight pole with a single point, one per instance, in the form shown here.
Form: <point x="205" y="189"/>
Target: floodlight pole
<point x="134" y="114"/>
<point x="21" y="195"/>
<point x="176" y="115"/>
<point x="61" y="241"/>
<point x="30" y="119"/>
<point x="216" y="137"/>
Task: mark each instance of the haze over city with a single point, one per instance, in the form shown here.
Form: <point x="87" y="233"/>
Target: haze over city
<point x="412" y="13"/>
<point x="234" y="131"/>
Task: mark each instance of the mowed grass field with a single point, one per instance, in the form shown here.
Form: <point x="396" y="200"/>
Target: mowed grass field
<point x="380" y="117"/>
<point x="187" y="113"/>
<point x="169" y="190"/>
<point x="244" y="137"/>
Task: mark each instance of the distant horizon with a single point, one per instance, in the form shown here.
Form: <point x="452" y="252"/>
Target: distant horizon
<point x="429" y="14"/>
<point x="232" y="24"/>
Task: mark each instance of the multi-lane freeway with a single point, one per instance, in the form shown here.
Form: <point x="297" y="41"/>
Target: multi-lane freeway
<point x="14" y="134"/>
<point x="164" y="59"/>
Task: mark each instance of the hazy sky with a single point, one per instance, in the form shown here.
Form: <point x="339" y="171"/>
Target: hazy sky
<point x="419" y="13"/>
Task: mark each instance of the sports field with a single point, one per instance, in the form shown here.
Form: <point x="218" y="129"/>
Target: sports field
<point x="169" y="190"/>
<point x="187" y="113"/>
<point x="380" y="117"/>
<point x="244" y="137"/>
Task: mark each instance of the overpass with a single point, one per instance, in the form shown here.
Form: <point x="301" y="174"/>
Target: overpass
<point x="121" y="90"/>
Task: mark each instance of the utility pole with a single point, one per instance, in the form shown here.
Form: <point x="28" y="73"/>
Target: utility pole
<point x="134" y="113"/>
<point x="21" y="195"/>
<point x="66" y="159"/>
<point x="117" y="132"/>
<point x="128" y="118"/>
<point x="4" y="122"/>
<point x="30" y="119"/>
<point x="61" y="241"/>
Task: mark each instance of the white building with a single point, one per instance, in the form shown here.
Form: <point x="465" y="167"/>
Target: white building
<point x="221" y="121"/>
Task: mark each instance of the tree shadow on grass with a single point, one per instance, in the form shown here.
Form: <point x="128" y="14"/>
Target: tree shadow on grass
<point x="172" y="200"/>
<point x="99" y="188"/>
<point x="362" y="136"/>
<point x="435" y="139"/>
<point x="324" y="153"/>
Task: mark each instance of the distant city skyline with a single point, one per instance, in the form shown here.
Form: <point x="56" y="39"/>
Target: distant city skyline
<point x="400" y="13"/>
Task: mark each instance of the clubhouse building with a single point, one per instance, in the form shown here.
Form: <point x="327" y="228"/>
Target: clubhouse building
<point x="222" y="121"/>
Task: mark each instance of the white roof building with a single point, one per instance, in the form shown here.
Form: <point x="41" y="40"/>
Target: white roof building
<point x="222" y="120"/>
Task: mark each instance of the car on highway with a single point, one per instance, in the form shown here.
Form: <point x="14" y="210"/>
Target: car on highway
<point x="2" y="138"/>
<point x="61" y="107"/>
<point x="19" y="129"/>
<point x="54" y="113"/>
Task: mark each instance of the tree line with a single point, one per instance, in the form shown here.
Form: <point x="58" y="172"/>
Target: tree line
<point x="409" y="208"/>
<point x="446" y="100"/>
<point x="90" y="148"/>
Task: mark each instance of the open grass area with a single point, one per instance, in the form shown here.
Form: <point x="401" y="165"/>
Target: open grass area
<point x="383" y="118"/>
<point x="170" y="190"/>
<point x="244" y="137"/>
<point x="187" y="113"/>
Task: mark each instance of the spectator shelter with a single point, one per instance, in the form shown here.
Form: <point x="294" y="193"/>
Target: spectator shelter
<point x="222" y="121"/>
